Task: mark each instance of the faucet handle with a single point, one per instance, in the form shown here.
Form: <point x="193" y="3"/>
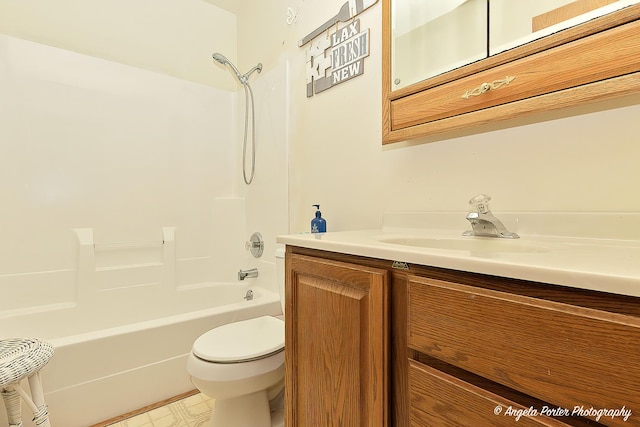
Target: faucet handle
<point x="480" y="203"/>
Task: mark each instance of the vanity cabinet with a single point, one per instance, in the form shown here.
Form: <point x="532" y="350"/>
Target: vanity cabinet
<point x="457" y="348"/>
<point x="593" y="61"/>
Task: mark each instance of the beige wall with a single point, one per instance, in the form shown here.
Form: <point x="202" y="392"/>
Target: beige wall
<point x="581" y="163"/>
<point x="169" y="36"/>
<point x="587" y="162"/>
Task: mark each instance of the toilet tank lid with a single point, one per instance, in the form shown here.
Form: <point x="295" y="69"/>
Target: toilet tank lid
<point x="241" y="341"/>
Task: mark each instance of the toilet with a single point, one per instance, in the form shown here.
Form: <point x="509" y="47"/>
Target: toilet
<point x="241" y="366"/>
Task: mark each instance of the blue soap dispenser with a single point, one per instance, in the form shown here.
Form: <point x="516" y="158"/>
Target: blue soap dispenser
<point x="318" y="224"/>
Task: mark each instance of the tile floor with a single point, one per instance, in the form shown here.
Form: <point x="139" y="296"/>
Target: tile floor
<point x="192" y="411"/>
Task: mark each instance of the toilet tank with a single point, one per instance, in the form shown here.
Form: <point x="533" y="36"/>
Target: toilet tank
<point x="280" y="274"/>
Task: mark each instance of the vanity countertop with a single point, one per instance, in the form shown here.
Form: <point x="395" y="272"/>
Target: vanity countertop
<point x="596" y="252"/>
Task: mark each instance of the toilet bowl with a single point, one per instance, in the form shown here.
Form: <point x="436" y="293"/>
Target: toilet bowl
<point x="241" y="366"/>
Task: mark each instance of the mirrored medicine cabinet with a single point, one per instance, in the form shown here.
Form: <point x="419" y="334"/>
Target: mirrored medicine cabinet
<point x="455" y="64"/>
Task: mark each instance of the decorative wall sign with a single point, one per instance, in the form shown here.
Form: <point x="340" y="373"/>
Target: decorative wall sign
<point x="339" y="56"/>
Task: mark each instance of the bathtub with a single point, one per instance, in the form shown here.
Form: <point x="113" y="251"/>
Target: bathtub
<point x="110" y="363"/>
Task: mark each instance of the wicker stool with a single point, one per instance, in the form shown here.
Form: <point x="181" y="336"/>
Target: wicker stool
<point x="23" y="358"/>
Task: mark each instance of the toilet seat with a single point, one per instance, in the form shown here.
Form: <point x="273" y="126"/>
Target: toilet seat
<point x="244" y="341"/>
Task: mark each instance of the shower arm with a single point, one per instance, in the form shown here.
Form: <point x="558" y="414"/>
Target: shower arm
<point x="243" y="78"/>
<point x="246" y="75"/>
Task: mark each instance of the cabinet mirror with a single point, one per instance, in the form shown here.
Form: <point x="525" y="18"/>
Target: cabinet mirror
<point x="449" y="64"/>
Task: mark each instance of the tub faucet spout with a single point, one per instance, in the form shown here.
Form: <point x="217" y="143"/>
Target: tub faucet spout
<point x="243" y="274"/>
<point x="483" y="222"/>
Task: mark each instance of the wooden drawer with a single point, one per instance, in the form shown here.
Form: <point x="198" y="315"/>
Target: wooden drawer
<point x="559" y="353"/>
<point x="591" y="59"/>
<point x="438" y="399"/>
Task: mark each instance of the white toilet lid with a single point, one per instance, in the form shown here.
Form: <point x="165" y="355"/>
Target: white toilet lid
<point x="241" y="341"/>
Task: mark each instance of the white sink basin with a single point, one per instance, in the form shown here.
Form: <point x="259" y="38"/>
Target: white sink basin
<point x="471" y="244"/>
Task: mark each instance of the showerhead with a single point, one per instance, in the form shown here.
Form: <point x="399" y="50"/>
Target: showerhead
<point x="224" y="61"/>
<point x="242" y="77"/>
<point x="220" y="58"/>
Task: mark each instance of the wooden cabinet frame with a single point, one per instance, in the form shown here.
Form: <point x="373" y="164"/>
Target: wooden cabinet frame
<point x="436" y="106"/>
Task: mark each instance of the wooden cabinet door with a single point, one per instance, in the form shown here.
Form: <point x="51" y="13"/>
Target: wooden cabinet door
<point x="336" y="344"/>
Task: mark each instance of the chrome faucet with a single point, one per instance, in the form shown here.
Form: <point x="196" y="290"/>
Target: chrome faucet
<point x="243" y="274"/>
<point x="483" y="223"/>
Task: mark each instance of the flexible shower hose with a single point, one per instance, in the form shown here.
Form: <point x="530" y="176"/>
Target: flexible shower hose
<point x="248" y="95"/>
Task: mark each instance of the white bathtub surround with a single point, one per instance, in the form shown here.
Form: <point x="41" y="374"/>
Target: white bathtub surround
<point x="125" y="230"/>
<point x="108" y="147"/>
